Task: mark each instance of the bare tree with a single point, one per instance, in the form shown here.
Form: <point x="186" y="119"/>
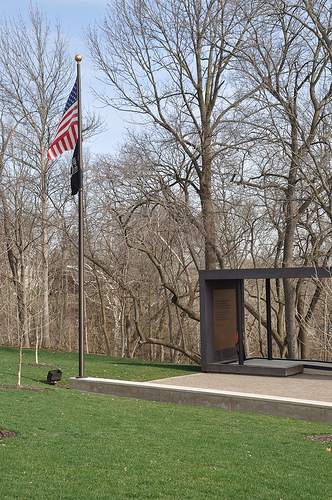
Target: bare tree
<point x="170" y="63"/>
<point x="141" y="240"/>
<point x="292" y="66"/>
<point x="34" y="75"/>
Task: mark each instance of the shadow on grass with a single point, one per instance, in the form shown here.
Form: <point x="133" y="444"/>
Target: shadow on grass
<point x="152" y="364"/>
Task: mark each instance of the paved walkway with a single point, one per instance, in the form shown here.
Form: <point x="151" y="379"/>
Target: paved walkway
<point x="314" y="385"/>
<point x="306" y="396"/>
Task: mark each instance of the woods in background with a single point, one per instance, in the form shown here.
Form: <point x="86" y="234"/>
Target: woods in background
<point x="227" y="167"/>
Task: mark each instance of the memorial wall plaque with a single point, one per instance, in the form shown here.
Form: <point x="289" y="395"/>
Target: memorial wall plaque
<point x="225" y="318"/>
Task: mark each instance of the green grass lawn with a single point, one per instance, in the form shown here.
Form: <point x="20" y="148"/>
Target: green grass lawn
<point x="74" y="445"/>
<point x="95" y="366"/>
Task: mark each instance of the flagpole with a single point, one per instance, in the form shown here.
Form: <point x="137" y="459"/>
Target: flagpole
<point x="78" y="59"/>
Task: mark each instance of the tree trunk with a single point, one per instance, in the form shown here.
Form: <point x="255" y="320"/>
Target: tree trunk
<point x="19" y="372"/>
<point x="291" y="220"/>
<point x="103" y="310"/>
<point x="23" y="311"/>
<point x="45" y="309"/>
<point x="207" y="210"/>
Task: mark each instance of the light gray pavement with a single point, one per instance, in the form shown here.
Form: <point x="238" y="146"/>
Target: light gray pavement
<point x="305" y="396"/>
<point x="312" y="385"/>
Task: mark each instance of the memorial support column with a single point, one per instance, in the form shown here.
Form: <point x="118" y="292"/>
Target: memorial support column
<point x="240" y="318"/>
<point x="268" y="318"/>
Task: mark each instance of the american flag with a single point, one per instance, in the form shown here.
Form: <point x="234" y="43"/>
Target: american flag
<point x="67" y="131"/>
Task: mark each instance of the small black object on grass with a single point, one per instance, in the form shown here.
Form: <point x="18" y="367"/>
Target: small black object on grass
<point x="54" y="376"/>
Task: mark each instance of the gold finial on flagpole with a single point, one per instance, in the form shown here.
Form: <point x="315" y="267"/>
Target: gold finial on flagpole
<point x="78" y="58"/>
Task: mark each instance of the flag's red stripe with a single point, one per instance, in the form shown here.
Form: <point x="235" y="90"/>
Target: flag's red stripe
<point x="70" y="117"/>
<point x="66" y="135"/>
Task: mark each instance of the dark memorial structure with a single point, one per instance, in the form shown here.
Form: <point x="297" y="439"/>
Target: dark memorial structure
<point x="223" y="326"/>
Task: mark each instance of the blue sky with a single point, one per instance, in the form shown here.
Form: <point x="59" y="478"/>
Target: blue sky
<point x="74" y="16"/>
